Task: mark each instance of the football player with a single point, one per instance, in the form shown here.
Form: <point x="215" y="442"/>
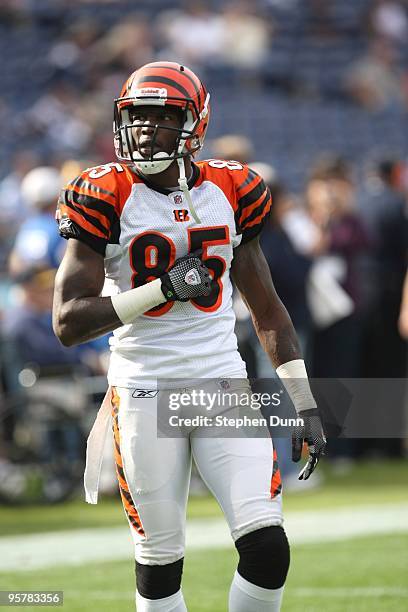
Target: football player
<point x="165" y="235"/>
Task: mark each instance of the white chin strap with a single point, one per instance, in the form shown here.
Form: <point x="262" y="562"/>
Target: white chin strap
<point x="184" y="188"/>
<point x="190" y="125"/>
<point x="152" y="167"/>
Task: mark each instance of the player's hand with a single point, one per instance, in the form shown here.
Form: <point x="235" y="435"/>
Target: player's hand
<point x="312" y="433"/>
<point x="188" y="278"/>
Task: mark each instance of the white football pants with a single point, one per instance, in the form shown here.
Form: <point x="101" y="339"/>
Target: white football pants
<point x="154" y="476"/>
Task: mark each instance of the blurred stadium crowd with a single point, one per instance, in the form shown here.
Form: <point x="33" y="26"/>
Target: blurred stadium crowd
<point x="313" y="95"/>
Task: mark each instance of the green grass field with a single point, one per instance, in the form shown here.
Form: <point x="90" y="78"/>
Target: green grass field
<point x="364" y="574"/>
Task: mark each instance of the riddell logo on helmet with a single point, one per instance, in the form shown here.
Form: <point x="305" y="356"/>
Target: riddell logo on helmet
<point x="181" y="215"/>
<point x="147" y="92"/>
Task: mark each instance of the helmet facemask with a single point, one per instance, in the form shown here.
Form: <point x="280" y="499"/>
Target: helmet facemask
<point x="187" y="141"/>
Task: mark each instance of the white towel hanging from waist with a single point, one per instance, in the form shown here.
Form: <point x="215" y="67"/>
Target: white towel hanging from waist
<point x="94" y="449"/>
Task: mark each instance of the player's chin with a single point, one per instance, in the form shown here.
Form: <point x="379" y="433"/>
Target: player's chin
<point x="147" y="152"/>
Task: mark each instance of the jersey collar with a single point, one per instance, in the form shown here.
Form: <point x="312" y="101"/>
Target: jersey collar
<point x="191" y="181"/>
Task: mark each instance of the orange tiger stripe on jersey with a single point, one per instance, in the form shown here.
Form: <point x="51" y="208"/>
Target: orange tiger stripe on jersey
<point x="249" y="187"/>
<point x="74" y="216"/>
<point x="98" y="195"/>
<point x="127" y="501"/>
<point x="246" y="212"/>
<point x="276" y="481"/>
<point x="93" y="213"/>
<point x="261" y="216"/>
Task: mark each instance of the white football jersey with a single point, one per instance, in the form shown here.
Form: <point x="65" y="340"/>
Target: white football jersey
<point x="141" y="231"/>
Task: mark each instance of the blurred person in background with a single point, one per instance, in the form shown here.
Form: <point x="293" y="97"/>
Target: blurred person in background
<point x="127" y="42"/>
<point x="375" y="81"/>
<point x="232" y="146"/>
<point x="387" y="19"/>
<point x="202" y="31"/>
<point x="246" y="37"/>
<point x="37" y="245"/>
<point x="334" y="291"/>
<point x="232" y="43"/>
<point x="331" y="201"/>
<point x="383" y="208"/>
<point x="13" y="204"/>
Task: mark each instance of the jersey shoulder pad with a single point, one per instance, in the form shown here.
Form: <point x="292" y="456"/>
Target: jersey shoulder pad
<point x="112" y="178"/>
<point x="223" y="173"/>
<point x="89" y="207"/>
<point x="245" y="190"/>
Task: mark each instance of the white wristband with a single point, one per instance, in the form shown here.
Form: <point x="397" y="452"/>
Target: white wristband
<point x="131" y="304"/>
<point x="294" y="378"/>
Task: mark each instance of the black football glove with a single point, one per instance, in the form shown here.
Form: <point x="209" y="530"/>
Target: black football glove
<point x="188" y="278"/>
<point x="312" y="433"/>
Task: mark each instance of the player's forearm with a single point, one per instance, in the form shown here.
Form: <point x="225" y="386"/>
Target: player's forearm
<point x="82" y="319"/>
<point x="277" y="336"/>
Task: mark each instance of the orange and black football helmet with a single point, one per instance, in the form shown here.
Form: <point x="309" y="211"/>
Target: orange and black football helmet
<point x="162" y="84"/>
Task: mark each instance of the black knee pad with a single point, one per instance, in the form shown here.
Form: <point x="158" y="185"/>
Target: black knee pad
<point x="264" y="557"/>
<point x="158" y="581"/>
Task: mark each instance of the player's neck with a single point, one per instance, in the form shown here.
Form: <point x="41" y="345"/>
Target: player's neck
<point x="169" y="178"/>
